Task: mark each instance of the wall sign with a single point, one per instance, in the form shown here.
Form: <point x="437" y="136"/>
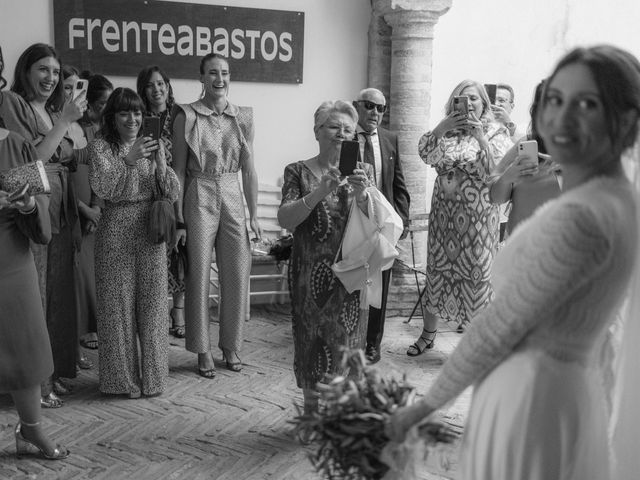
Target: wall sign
<point x="120" y="37"/>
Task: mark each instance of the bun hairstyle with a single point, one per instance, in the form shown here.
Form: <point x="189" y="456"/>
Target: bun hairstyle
<point x="211" y="56"/>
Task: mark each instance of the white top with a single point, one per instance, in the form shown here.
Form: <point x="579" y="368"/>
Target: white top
<point x="558" y="283"/>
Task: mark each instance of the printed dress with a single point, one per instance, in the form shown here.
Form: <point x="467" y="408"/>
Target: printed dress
<point x="325" y="317"/>
<point x="131" y="275"/>
<point x="463" y="223"/>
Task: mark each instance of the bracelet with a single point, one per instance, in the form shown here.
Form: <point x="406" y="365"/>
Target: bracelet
<point x="35" y="207"/>
<point x="180" y="226"/>
<point x="306" y="204"/>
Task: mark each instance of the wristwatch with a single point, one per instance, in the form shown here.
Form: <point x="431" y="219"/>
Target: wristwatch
<point x="511" y="127"/>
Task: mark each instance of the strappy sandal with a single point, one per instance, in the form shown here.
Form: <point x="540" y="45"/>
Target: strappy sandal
<point x="177" y="331"/>
<point x="207" y="372"/>
<point x="233" y="366"/>
<point x="424" y="342"/>
<point x="90" y="344"/>
<point x="25" y="446"/>
<point x="51" y="401"/>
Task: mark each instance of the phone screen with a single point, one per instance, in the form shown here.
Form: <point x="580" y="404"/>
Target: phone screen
<point x="461" y="104"/>
<point x="348" y="157"/>
<point x="151" y="127"/>
<point x="491" y="89"/>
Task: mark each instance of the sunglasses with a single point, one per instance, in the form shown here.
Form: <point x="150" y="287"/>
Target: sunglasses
<point x="370" y="106"/>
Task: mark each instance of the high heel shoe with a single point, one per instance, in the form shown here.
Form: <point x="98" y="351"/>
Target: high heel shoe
<point x="424" y="342"/>
<point x="233" y="366"/>
<point x="177" y="331"/>
<point x="27" y="447"/>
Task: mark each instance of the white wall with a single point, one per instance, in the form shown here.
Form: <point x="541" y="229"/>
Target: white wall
<point x="518" y="41"/>
<point x="511" y="41"/>
<point x="335" y="66"/>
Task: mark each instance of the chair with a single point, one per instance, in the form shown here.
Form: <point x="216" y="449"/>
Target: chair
<point x="418" y="222"/>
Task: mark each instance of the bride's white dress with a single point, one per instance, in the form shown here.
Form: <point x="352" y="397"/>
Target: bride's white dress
<point x="538" y="410"/>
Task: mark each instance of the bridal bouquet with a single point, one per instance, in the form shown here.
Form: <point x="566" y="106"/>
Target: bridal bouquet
<point x="349" y="426"/>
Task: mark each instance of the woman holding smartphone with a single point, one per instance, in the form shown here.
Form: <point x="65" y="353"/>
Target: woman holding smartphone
<point x="131" y="272"/>
<point x="89" y="215"/>
<point x="154" y="87"/>
<point x="37" y="110"/>
<point x="212" y="142"/>
<point x="524" y="181"/>
<point x="463" y="225"/>
<point x="25" y="350"/>
<point x="315" y="207"/>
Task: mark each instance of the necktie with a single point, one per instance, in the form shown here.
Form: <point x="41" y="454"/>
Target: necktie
<point x="368" y="152"/>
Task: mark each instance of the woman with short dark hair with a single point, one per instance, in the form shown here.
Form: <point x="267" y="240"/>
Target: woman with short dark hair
<point x="131" y="271"/>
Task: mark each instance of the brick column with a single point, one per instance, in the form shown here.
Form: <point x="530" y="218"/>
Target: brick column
<point x="409" y="99"/>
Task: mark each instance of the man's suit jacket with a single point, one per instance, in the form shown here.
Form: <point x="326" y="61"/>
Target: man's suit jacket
<point x="392" y="178"/>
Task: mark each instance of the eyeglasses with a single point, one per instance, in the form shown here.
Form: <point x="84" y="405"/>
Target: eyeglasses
<point x="370" y="106"/>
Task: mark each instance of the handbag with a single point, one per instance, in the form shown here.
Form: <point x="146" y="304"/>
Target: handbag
<point x="162" y="220"/>
<point x="368" y="248"/>
<point x="281" y="249"/>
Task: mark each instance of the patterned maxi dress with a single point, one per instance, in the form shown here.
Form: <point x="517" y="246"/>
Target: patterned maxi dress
<point x="325" y="316"/>
<point x="131" y="275"/>
<point x="463" y="224"/>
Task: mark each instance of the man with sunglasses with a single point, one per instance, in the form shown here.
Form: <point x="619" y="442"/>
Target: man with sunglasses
<point x="379" y="147"/>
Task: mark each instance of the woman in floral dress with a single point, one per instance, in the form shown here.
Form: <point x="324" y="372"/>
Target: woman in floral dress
<point x="463" y="224"/>
<point x="315" y="207"/>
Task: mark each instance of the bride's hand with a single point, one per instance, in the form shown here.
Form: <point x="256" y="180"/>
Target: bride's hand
<point x="403" y="419"/>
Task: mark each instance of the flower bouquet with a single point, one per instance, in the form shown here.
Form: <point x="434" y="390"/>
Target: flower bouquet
<point x="349" y="426"/>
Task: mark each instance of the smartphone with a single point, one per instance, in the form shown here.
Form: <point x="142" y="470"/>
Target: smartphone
<point x="348" y="157"/>
<point x="530" y="149"/>
<point x="18" y="194"/>
<point x="491" y="89"/>
<point x="80" y="87"/>
<point x="151" y="127"/>
<point x="461" y="104"/>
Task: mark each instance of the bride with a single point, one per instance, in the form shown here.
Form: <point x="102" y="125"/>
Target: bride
<point x="538" y="410"/>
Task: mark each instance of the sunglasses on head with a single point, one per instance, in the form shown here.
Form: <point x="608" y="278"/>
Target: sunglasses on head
<point x="370" y="106"/>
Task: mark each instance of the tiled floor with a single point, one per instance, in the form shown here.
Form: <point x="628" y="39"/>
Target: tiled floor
<point x="233" y="427"/>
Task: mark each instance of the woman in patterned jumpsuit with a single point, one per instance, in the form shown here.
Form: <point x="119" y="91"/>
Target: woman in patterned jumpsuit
<point x="211" y="143"/>
<point x="131" y="271"/>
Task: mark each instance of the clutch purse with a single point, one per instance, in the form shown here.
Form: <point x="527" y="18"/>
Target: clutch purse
<point x="32" y="173"/>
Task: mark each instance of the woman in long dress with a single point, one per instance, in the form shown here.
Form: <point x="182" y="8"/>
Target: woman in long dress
<point x="463" y="223"/>
<point x="154" y="87"/>
<point x="25" y="351"/>
<point x="36" y="109"/>
<point x="538" y="410"/>
<point x="315" y="207"/>
<point x="131" y="272"/>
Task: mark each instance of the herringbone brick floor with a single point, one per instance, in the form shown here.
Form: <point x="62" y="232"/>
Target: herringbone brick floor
<point x="234" y="427"/>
